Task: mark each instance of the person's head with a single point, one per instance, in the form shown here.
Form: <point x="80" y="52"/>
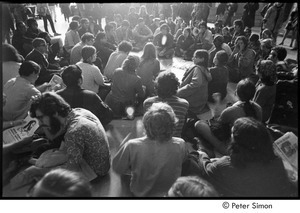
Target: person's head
<point x="91" y="19"/>
<point x="40" y="45"/>
<point x="166" y="84"/>
<point x="187" y="32"/>
<point x="76" y="18"/>
<point x="50" y="109"/>
<point x="266" y="70"/>
<point x="164" y="29"/>
<point x="85" y="23"/>
<point x="156" y="21"/>
<point x="132" y="10"/>
<point x="218" y="41"/>
<point x="238" y="25"/>
<point x="178" y="21"/>
<point x="30" y="70"/>
<point x="162" y="16"/>
<point x="10" y="53"/>
<point x="143" y="10"/>
<point x="88" y="39"/>
<point x="250" y="142"/>
<point x="125" y="46"/>
<point x="45" y="36"/>
<point x="131" y="63"/>
<point x="108" y="28"/>
<point x="247" y="32"/>
<point x="159" y="122"/>
<point x="277" y="53"/>
<point x="100" y="37"/>
<point x="149" y="51"/>
<point x="254" y="38"/>
<point x="74" y="25"/>
<point x="201" y="57"/>
<point x="225" y="31"/>
<point x="242" y="42"/>
<point x="183" y="25"/>
<point x="192" y="186"/>
<point x="245" y="90"/>
<point x="88" y="54"/>
<point x="21" y="27"/>
<point x="118" y="18"/>
<point x="267" y="34"/>
<point x="202" y="26"/>
<point x="141" y="21"/>
<point x="125" y="24"/>
<point x="169" y="20"/>
<point x="72" y="76"/>
<point x="266" y="46"/>
<point x="221" y="58"/>
<point x="32" y="23"/>
<point x="62" y="183"/>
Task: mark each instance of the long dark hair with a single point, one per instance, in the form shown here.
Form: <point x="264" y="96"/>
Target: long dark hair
<point x="250" y="142"/>
<point x="245" y="90"/>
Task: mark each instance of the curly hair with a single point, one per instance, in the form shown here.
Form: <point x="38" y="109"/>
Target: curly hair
<point x="50" y="103"/>
<point x="159" y="122"/>
<point x="166" y="84"/>
<point x="267" y="71"/>
<point x="250" y="142"/>
<point x="131" y="63"/>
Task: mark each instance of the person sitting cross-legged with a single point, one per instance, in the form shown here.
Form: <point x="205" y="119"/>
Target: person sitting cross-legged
<point x="164" y="42"/>
<point x="76" y="96"/>
<point x="166" y="85"/>
<point x="155" y="160"/>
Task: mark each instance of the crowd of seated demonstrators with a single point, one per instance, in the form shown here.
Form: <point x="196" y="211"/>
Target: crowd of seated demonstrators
<point x="233" y="154"/>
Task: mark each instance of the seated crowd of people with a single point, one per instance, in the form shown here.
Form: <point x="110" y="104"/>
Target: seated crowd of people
<point x="182" y="154"/>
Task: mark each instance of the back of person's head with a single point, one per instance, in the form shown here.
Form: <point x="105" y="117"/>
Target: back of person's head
<point x="281" y="52"/>
<point x="20" y="24"/>
<point x="267" y="43"/>
<point x="188" y="29"/>
<point x="218" y="40"/>
<point x="87" y="37"/>
<point x="31" y="22"/>
<point x="113" y="24"/>
<point x="140" y="20"/>
<point x="248" y="30"/>
<point x="266" y="70"/>
<point x="108" y="27"/>
<point x="50" y="103"/>
<point x="76" y="18"/>
<point x="125" y="46"/>
<point x="159" y="122"/>
<point x="222" y="57"/>
<point x="62" y="183"/>
<point x="250" y="142"/>
<point x="125" y="23"/>
<point x="254" y="37"/>
<point x="71" y="75"/>
<point x="166" y="84"/>
<point x="239" y="23"/>
<point x="100" y="35"/>
<point x="87" y="52"/>
<point x="74" y="25"/>
<point x="38" y="42"/>
<point x="245" y="91"/>
<point x="266" y="32"/>
<point x="165" y="27"/>
<point x="161" y="22"/>
<point x="10" y="53"/>
<point x="29" y="67"/>
<point x="192" y="186"/>
<point x="202" y="53"/>
<point x="131" y="63"/>
<point x="149" y="52"/>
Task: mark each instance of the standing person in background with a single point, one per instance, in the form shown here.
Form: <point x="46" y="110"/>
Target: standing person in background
<point x="231" y="10"/>
<point x="292" y="25"/>
<point x="249" y="14"/>
<point x="44" y="12"/>
<point x="148" y="68"/>
<point x="52" y="7"/>
<point x="220" y="12"/>
<point x="273" y="19"/>
<point x="65" y="10"/>
<point x="7" y="23"/>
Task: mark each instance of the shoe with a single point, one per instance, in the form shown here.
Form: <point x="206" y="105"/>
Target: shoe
<point x="56" y="34"/>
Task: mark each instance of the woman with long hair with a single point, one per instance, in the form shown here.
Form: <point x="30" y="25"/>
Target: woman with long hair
<point x="251" y="169"/>
<point x="148" y="68"/>
<point x="217" y="133"/>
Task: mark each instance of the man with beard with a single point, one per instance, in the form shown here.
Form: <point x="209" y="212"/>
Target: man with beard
<point x="84" y="137"/>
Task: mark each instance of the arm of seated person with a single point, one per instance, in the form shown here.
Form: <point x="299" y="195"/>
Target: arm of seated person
<point x="13" y="146"/>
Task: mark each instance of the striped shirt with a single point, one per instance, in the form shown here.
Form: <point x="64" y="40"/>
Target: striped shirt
<point x="179" y="105"/>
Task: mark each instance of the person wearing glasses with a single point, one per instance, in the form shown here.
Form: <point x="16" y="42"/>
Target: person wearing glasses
<point x="39" y="54"/>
